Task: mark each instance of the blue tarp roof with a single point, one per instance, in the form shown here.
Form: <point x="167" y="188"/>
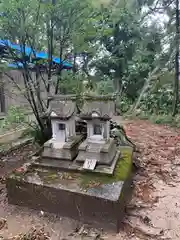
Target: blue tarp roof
<point x="58" y="61"/>
<point x="33" y="54"/>
<point x="41" y="55"/>
<point x="15" y="65"/>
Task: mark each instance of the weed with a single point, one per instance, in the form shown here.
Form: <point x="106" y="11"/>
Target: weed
<point x="15" y="117"/>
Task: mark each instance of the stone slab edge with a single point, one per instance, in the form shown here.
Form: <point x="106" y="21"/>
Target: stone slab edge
<point x="73" y="166"/>
<point x="89" y="209"/>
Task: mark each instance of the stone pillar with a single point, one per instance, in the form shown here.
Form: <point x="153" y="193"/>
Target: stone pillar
<point x="104" y="131"/>
<point x="54" y="129"/>
<point x="107" y="126"/>
<point x="72" y="130"/>
<point x="68" y="130"/>
<point x="89" y="129"/>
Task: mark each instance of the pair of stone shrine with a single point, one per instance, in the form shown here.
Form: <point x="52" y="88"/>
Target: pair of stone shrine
<point x="53" y="182"/>
<point x="68" y="149"/>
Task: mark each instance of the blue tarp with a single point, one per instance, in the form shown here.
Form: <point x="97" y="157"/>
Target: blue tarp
<point x="41" y="55"/>
<point x="15" y="65"/>
<point x="33" y="54"/>
<point x="58" y="61"/>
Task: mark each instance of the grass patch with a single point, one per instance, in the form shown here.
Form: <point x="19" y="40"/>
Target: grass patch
<point x="121" y="173"/>
<point x="164" y="119"/>
<point x="14" y="119"/>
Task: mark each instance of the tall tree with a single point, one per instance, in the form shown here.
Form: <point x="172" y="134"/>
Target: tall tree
<point x="177" y="59"/>
<point x="129" y="48"/>
<point x="27" y="22"/>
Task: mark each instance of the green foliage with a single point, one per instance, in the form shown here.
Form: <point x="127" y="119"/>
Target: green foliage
<point x="162" y="119"/>
<point x="165" y="119"/>
<point x="105" y="87"/>
<point x="158" y="101"/>
<point x="59" y="27"/>
<point x="15" y="117"/>
<point x="124" y="104"/>
<point x="115" y="40"/>
<point x="130" y="49"/>
<point x="71" y="84"/>
<point x="38" y="135"/>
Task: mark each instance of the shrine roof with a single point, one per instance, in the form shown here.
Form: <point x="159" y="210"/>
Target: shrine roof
<point x="62" y="107"/>
<point x="98" y="107"/>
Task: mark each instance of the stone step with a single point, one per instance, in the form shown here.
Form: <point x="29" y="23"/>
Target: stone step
<point x="52" y="163"/>
<point x="64" y="165"/>
<point x="92" y="147"/>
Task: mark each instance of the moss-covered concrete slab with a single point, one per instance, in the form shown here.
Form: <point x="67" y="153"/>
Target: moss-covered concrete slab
<point x="90" y="197"/>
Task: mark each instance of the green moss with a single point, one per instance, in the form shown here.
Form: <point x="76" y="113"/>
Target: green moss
<point x="49" y="177"/>
<point x="124" y="165"/>
<point x="53" y="176"/>
<point x="93" y="180"/>
<point x="121" y="173"/>
<point x="84" y="180"/>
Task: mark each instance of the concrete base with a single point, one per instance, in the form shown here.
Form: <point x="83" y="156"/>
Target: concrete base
<point x="64" y="165"/>
<point x="62" y="151"/>
<point x="104" y="153"/>
<point x="101" y="206"/>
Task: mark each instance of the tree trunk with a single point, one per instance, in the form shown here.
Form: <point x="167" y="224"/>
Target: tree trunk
<point x="2" y="95"/>
<point x="60" y="68"/>
<point x="145" y="87"/>
<point x="176" y="79"/>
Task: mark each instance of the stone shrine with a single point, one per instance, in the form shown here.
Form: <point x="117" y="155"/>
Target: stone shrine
<point x="98" y="149"/>
<point x="64" y="142"/>
<point x="89" y="180"/>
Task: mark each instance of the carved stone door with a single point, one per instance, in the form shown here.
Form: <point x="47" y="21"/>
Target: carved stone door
<point x="62" y="132"/>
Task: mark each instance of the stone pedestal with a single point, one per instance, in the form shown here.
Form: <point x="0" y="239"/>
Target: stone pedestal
<point x="104" y="153"/>
<point x="62" y="150"/>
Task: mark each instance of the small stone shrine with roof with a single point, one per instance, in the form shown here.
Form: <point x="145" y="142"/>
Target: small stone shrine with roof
<point x="98" y="152"/>
<point x="86" y="178"/>
<point x="64" y="142"/>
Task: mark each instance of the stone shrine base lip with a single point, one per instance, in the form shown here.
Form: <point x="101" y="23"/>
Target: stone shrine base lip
<point x="101" y="206"/>
<point x="75" y="166"/>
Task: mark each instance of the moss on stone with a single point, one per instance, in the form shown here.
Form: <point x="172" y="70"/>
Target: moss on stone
<point x="83" y="180"/>
<point x="121" y="173"/>
<point x="53" y="176"/>
<point x="124" y="165"/>
<point x="49" y="177"/>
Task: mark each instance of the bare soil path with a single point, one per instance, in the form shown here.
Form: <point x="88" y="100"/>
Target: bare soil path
<point x="154" y="212"/>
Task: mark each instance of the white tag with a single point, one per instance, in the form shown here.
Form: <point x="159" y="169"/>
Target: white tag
<point x="90" y="164"/>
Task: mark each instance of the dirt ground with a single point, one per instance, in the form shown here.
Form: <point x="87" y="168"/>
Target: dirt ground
<point x="153" y="213"/>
